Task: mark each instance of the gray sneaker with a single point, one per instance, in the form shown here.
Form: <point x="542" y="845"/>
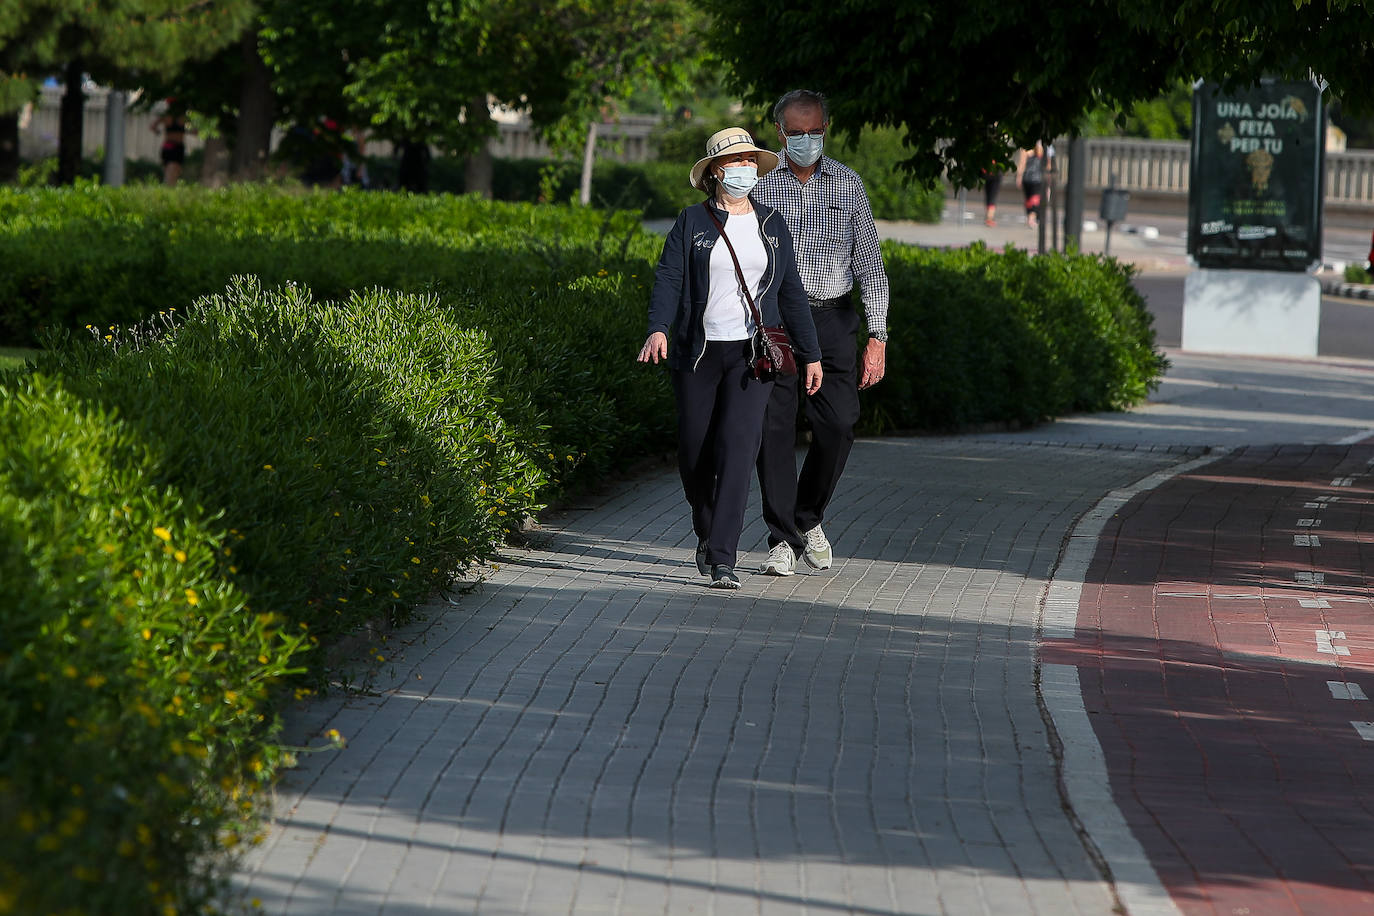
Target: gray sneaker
<point x="724" y="577"/>
<point x="817" y="552"/>
<point x="782" y="561"/>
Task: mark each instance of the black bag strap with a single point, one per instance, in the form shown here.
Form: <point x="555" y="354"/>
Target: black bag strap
<point x="744" y="287"/>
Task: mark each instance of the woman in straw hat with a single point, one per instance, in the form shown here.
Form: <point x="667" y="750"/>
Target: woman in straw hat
<point x="701" y="321"/>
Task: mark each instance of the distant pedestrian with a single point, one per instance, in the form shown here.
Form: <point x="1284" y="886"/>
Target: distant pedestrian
<point x="827" y="209"/>
<point x="699" y="304"/>
<point x="172" y="124"/>
<point x="1031" y="168"/>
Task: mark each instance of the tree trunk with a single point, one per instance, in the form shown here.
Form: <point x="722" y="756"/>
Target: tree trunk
<point x="477" y="173"/>
<point x="113" y="172"/>
<point x="9" y="147"/>
<point x="70" y="125"/>
<point x="256" y="113"/>
<point x="413" y="172"/>
<point x="214" y="169"/>
<point x="588" y="159"/>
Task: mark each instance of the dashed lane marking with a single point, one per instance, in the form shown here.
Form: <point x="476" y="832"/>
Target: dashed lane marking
<point x="1325" y="643"/>
<point x="1340" y="690"/>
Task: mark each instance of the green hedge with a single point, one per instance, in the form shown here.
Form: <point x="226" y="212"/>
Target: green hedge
<point x="553" y="287"/>
<point x="134" y="730"/>
<point x="981" y="336"/>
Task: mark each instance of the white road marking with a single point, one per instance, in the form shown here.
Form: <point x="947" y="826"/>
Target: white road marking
<point x="1083" y="766"/>
<point x="1306" y="540"/>
<point x="1309" y="578"/>
<point x="1309" y="523"/>
<point x="1342" y="481"/>
<point x="1324" y="642"/>
<point x="1366" y="730"/>
<point x="1340" y="690"/>
<point x="1313" y="602"/>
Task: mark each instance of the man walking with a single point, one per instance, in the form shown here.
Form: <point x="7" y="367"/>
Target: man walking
<point x="826" y="208"/>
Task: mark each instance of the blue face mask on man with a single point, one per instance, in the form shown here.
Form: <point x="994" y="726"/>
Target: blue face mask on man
<point x="804" y="150"/>
<point x="739" y="180"/>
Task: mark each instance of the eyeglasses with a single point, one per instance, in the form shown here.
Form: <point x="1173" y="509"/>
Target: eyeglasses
<point x="809" y="134"/>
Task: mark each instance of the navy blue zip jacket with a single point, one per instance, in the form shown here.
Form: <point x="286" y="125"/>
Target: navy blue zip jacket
<point x="677" y="306"/>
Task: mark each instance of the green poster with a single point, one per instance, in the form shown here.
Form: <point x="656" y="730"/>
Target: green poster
<point x="1255" y="187"/>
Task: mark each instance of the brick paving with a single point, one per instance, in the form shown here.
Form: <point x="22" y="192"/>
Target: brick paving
<point x="593" y="730"/>
<point x="1100" y="666"/>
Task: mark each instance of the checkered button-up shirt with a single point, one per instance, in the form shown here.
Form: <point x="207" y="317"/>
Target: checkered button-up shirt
<point x="832" y="227"/>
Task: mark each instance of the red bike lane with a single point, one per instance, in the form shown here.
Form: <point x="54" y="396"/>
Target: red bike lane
<point x="1225" y="654"/>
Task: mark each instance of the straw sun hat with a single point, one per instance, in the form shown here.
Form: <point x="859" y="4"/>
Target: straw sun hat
<point x="727" y="142"/>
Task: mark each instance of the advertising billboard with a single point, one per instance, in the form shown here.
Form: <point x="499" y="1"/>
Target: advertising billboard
<point x="1255" y="186"/>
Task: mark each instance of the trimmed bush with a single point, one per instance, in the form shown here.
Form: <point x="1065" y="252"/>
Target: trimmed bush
<point x="552" y="288"/>
<point x="134" y="728"/>
<point x="980" y="336"/>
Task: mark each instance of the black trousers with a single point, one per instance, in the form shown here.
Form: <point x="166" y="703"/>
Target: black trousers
<point x="720" y="409"/>
<point x="792" y="502"/>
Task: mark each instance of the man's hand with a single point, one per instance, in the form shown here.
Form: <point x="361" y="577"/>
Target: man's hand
<point x="874" y="363"/>
<point x="813" y="377"/>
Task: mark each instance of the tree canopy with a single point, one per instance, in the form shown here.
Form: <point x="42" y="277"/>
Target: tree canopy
<point x="114" y="40"/>
<point x="967" y="81"/>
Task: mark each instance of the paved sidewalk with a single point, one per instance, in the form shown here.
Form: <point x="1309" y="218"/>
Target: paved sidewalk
<point x="594" y="731"/>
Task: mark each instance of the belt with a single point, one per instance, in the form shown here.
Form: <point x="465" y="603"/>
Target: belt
<point x="839" y="302"/>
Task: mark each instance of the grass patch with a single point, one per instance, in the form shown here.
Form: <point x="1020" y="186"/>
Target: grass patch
<point x="16" y="357"/>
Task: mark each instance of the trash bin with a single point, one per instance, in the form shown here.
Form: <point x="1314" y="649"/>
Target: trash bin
<point x="1113" y="206"/>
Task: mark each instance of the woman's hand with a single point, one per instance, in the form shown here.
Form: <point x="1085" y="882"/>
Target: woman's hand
<point x="655" y="348"/>
<point x="813" y="378"/>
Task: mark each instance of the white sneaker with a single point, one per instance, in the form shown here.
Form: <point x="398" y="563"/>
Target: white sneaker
<point x="817" y="552"/>
<point x="781" y="561"/>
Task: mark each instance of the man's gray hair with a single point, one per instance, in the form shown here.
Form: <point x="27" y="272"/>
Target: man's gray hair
<point x="805" y="98"/>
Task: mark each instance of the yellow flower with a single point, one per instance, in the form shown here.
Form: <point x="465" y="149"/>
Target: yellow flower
<point x="180" y="556"/>
<point x="163" y="533"/>
<point x="382" y="462"/>
<point x="191" y="597"/>
<point x="147" y="633"/>
<point x="415" y="560"/>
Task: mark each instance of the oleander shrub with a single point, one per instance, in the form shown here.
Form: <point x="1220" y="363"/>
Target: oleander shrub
<point x="355" y="451"/>
<point x="103" y="256"/>
<point x="983" y="336"/>
<point x="559" y="292"/>
<point x="135" y="725"/>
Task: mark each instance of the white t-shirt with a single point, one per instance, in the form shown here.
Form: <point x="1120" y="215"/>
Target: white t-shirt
<point x="727" y="312"/>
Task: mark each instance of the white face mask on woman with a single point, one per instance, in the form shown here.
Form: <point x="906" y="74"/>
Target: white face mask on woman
<point x="739" y="180"/>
